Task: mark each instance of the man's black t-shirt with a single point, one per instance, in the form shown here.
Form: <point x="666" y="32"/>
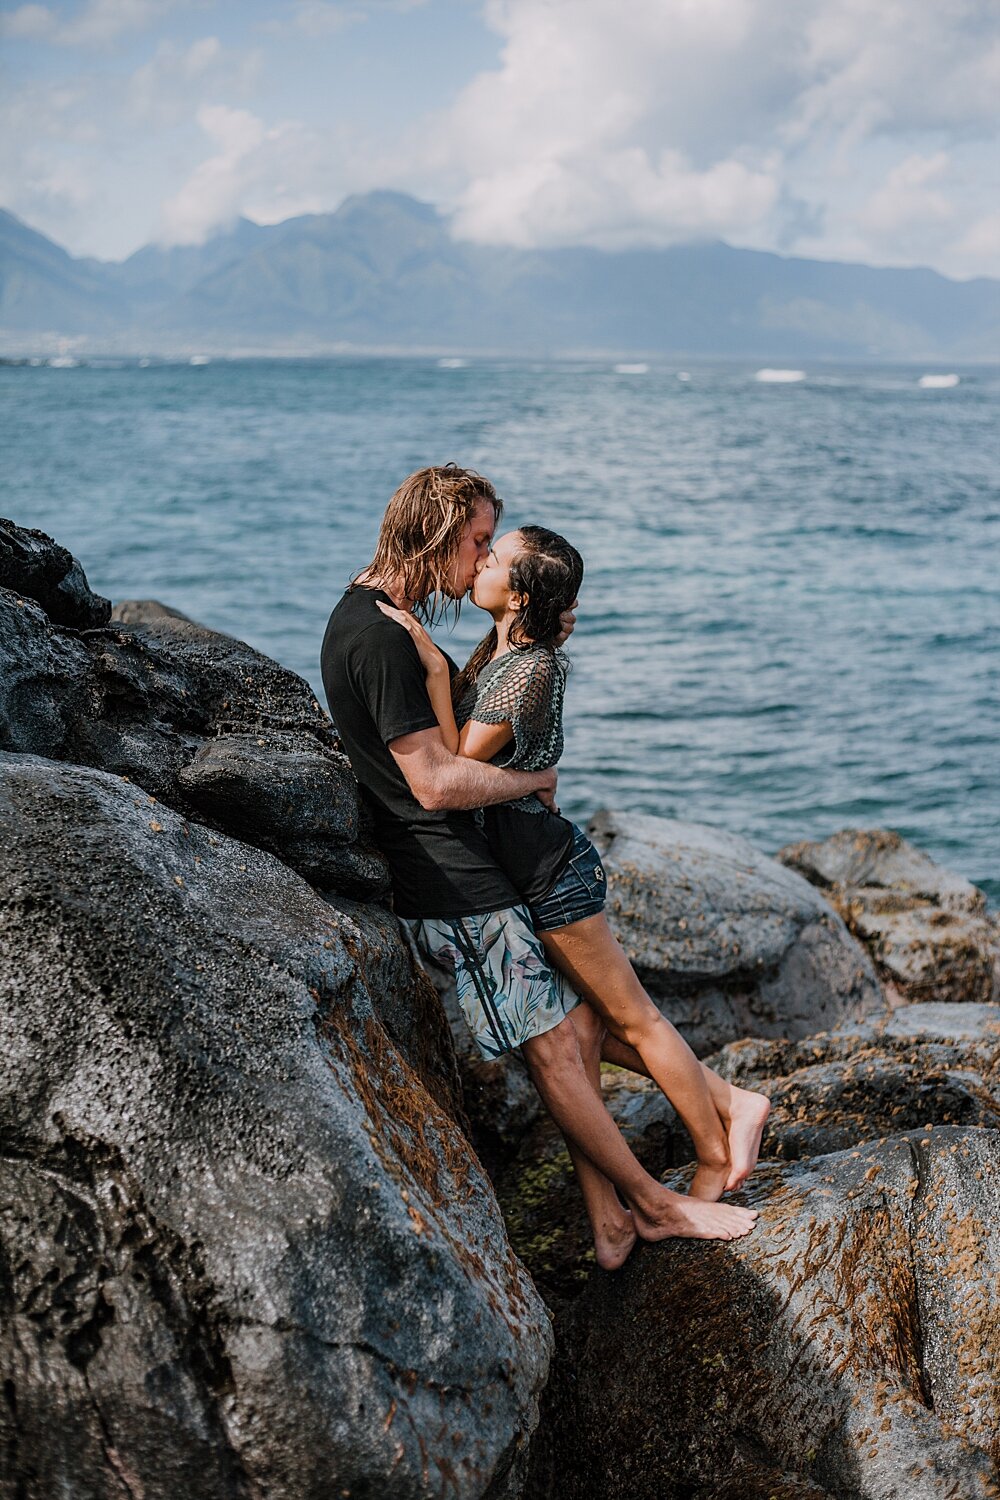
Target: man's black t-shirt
<point x="377" y="691"/>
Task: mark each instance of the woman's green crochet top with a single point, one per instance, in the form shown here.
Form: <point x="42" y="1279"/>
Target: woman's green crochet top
<point x="526" y="687"/>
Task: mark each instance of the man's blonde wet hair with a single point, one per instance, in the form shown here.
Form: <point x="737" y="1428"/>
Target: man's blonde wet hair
<point x="422" y="529"/>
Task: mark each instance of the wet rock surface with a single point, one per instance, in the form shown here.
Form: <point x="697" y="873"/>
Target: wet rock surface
<point x="35" y="567"/>
<point x="848" y="1347"/>
<point x="728" y="942"/>
<point x="247" y="1251"/>
<point x="926" y="927"/>
<point x="197" y="719"/>
<point x="919" y="1065"/>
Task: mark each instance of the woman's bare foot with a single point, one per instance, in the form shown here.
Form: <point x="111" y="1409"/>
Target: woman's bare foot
<point x="709" y="1182"/>
<point x="613" y="1242"/>
<point x="678" y="1214"/>
<point x="748" y="1114"/>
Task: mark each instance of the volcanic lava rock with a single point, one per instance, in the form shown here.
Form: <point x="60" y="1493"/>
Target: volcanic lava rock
<point x="926" y="927"/>
<point x="32" y="565"/>
<point x="849" y="1346"/>
<point x="728" y="942"/>
<point x="198" y="720"/>
<point x="247" y="1252"/>
<point x="920" y="1065"/>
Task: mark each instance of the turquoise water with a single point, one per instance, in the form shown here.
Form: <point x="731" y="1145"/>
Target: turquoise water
<point x="791" y="613"/>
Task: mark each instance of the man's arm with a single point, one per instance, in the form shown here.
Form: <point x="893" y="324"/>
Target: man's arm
<point x="443" y="782"/>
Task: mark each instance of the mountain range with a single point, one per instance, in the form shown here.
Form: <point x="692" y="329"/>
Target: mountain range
<point x="383" y="273"/>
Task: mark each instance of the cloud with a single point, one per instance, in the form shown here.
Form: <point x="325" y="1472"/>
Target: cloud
<point x="899" y="67"/>
<point x="168" y="88"/>
<point x="29" y="23"/>
<point x="96" y="24"/>
<point x="324" y="18"/>
<point x="908" y="198"/>
<point x="669" y="119"/>
<point x="977" y="251"/>
<point x="268" y="173"/>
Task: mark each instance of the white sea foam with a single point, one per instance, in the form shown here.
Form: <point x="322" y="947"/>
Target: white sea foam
<point x="452" y="364"/>
<point x="937" y="382"/>
<point x="199" y="359"/>
<point x="780" y="377"/>
<point x="631" y="369"/>
<point x="683" y="375"/>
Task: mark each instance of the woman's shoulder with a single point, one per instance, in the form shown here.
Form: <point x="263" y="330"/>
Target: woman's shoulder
<point x="529" y="663"/>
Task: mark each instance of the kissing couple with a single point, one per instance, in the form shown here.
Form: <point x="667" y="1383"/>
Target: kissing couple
<point x="458" y="770"/>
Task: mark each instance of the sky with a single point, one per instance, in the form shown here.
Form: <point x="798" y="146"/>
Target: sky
<point x="833" y="129"/>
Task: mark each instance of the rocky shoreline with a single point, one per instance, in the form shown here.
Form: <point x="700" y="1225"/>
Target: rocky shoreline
<point x="269" y="1229"/>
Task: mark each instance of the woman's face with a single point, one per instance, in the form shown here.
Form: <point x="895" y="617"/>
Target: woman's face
<point x="491" y="590"/>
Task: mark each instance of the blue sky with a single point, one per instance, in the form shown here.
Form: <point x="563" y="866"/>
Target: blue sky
<point x="827" y="128"/>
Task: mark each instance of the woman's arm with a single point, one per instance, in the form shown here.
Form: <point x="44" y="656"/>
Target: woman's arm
<point x="477" y="741"/>
<point x="436" y="667"/>
<point x="483" y="741"/>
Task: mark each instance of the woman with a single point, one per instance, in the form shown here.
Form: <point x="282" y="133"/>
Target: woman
<point x="506" y="707"/>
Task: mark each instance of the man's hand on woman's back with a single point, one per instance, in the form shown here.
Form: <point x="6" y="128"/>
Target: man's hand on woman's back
<point x="568" y="622"/>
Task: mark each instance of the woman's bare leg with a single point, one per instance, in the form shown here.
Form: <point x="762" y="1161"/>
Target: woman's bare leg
<point x="591" y="956"/>
<point x="743" y="1112"/>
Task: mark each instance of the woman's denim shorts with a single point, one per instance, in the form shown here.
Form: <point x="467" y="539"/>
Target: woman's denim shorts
<point x="579" y="892"/>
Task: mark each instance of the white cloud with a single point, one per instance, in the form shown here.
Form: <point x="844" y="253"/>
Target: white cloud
<point x="977" y="251"/>
<point x="96" y="24"/>
<point x="324" y="18"/>
<point x="661" y="120"/>
<point x="909" y="198"/>
<point x="593" y="129"/>
<point x="168" y="88"/>
<point x="899" y="66"/>
<point x="268" y="173"/>
<point x="212" y="196"/>
<point x="318" y="18"/>
<point x="29" y="23"/>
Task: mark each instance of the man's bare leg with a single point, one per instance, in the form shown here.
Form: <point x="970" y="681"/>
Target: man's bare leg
<point x="611" y="1222"/>
<point x="743" y="1112"/>
<point x="557" y="1070"/>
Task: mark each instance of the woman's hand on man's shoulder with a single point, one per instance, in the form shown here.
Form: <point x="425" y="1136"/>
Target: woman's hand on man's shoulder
<point x="431" y="659"/>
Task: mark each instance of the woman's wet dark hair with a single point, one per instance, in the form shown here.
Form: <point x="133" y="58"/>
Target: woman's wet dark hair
<point x="547" y="572"/>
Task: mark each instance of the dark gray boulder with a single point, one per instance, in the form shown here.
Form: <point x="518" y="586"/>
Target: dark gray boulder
<point x="949" y="1036"/>
<point x="849" y="1346"/>
<point x="198" y="720"/>
<point x="728" y="942"/>
<point x="35" y="567"/>
<point x="926" y="927"/>
<point x="906" y="1070"/>
<point x="245" y="1250"/>
<point x="145" y="612"/>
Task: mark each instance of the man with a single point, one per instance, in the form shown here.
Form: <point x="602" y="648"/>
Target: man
<point x="434" y="538"/>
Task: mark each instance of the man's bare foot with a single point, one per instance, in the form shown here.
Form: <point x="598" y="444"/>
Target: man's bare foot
<point x="613" y="1242"/>
<point x="709" y="1183"/>
<point x="677" y="1214"/>
<point x="748" y="1114"/>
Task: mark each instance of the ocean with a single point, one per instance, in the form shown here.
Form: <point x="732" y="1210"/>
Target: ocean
<point x="790" y="619"/>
